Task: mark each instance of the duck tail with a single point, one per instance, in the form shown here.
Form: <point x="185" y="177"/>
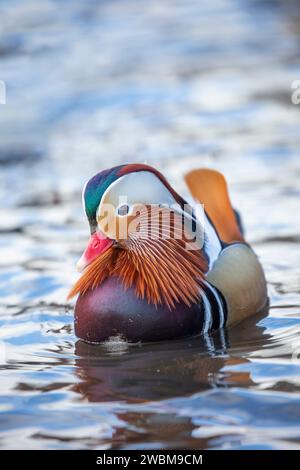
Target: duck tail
<point x="209" y="187"/>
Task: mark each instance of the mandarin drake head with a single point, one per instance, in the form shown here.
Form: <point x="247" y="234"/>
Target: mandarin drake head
<point x="159" y="268"/>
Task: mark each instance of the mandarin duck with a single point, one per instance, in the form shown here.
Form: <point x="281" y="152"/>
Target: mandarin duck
<point x="157" y="267"/>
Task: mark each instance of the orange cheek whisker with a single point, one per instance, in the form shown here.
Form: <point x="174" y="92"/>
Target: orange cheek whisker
<point x="161" y="270"/>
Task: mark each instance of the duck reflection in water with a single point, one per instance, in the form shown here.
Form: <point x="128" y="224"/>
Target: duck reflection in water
<point x="119" y="371"/>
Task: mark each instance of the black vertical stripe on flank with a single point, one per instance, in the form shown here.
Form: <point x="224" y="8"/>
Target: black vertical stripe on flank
<point x="215" y="308"/>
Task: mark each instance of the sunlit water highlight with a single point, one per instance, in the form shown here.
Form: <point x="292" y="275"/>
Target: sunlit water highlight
<point x="179" y="85"/>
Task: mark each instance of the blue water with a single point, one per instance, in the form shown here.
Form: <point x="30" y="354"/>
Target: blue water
<point x="177" y="84"/>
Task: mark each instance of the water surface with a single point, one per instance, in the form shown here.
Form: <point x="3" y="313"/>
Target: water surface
<point x="178" y="85"/>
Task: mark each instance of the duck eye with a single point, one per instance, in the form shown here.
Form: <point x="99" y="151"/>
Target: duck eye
<point x="123" y="209"/>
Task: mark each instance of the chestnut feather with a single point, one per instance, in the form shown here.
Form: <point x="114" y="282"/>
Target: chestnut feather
<point x="160" y="264"/>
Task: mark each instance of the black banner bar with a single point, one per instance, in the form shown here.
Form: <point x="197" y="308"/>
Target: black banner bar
<point x="127" y="459"/>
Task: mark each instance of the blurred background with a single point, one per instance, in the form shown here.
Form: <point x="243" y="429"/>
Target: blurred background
<point x="177" y="84"/>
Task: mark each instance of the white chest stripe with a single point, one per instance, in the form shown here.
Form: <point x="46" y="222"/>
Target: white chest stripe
<point x="207" y="313"/>
<point x="217" y="297"/>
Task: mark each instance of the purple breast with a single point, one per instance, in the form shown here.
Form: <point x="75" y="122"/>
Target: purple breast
<point x="110" y="310"/>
